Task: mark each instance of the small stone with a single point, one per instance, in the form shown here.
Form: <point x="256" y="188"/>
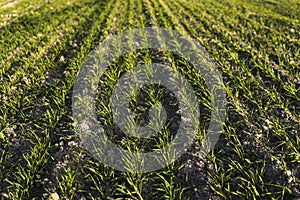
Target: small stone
<point x="62" y="59"/>
<point x="265" y="128"/>
<point x="72" y="143"/>
<point x="54" y="196"/>
<point x="4" y="195"/>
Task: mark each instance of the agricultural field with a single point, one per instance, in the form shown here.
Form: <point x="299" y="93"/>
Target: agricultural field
<point x="255" y="45"/>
